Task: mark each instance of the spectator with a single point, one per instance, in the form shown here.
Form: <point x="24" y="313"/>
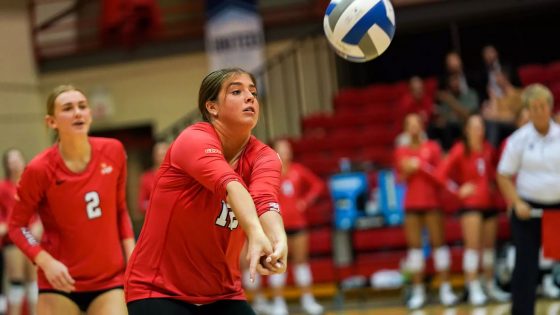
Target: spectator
<point x="501" y="109"/>
<point x="454" y="106"/>
<point x="416" y="101"/>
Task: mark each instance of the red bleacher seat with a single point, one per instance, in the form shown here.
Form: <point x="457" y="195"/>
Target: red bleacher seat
<point x="533" y="73"/>
<point x="380" y="238"/>
<point x="504" y="230"/>
<point x="452" y="230"/>
<point x="553" y="71"/>
<point x="320" y="240"/>
<point x="320" y="213"/>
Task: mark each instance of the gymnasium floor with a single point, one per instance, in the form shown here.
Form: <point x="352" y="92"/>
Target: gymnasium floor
<point x="370" y="301"/>
<point x="544" y="307"/>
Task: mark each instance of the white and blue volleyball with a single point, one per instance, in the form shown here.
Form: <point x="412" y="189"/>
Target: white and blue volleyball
<point x="359" y="30"/>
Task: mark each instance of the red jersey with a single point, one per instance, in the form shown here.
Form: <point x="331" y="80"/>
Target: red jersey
<point x="190" y="242"/>
<point x="422" y="189"/>
<point x="297" y="184"/>
<point x="84" y="214"/>
<point x="146" y="185"/>
<point x="478" y="168"/>
<point x="8" y="192"/>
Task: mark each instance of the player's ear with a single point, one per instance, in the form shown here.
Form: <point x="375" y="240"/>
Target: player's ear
<point x="212" y="108"/>
<point x="50" y="122"/>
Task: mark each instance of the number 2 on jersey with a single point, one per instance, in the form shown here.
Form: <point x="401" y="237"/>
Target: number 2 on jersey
<point x="224" y="214"/>
<point x="92" y="205"/>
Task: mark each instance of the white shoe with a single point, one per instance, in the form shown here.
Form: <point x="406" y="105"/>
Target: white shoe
<point x="496" y="293"/>
<point x="279" y="307"/>
<point x="261" y="306"/>
<point x="417" y="298"/>
<point x="446" y="295"/>
<point x="550" y="290"/>
<point x="476" y="294"/>
<point x="310" y="306"/>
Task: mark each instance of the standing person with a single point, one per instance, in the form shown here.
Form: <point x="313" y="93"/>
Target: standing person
<point x="299" y="188"/>
<point x="416" y="163"/>
<point x="77" y="187"/>
<point x="532" y="156"/>
<point x="148" y="177"/>
<point x="217" y="186"/>
<point x="21" y="273"/>
<point x="471" y="164"/>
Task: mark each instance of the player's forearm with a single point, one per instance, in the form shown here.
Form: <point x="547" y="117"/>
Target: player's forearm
<point x="507" y="188"/>
<point x="128" y="246"/>
<point x="243" y="207"/>
<point x="273" y="226"/>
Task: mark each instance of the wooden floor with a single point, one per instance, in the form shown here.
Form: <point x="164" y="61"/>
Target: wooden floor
<point x="544" y="307"/>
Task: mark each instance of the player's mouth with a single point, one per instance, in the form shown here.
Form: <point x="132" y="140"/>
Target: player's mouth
<point x="249" y="109"/>
<point x="78" y="123"/>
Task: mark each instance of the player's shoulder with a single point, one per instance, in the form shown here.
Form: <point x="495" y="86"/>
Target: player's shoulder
<point x="457" y="149"/>
<point x="43" y="161"/>
<point x="259" y="149"/>
<point x="200" y="132"/>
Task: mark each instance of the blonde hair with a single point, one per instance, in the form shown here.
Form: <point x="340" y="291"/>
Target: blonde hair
<point x="537" y="91"/>
<point x="56" y="92"/>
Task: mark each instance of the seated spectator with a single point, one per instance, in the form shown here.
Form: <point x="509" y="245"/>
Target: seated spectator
<point x="454" y="106"/>
<point x="487" y="77"/>
<point x="454" y="66"/>
<point x="501" y="109"/>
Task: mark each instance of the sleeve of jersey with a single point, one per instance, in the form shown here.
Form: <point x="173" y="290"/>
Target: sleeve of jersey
<point x="30" y="192"/>
<point x="315" y="184"/>
<point x="199" y="154"/>
<point x="510" y="160"/>
<point x="265" y="182"/>
<point x="443" y="172"/>
<point x="125" y="225"/>
<point x="428" y="167"/>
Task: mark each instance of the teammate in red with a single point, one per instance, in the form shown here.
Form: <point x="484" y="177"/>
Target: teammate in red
<point x="471" y="164"/>
<point x="148" y="177"/>
<point x="20" y="271"/>
<point x="299" y="188"/>
<point x="216" y="186"/>
<point x="77" y="187"/>
<point x="416" y="163"/>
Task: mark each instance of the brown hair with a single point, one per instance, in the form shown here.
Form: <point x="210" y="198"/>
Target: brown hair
<point x="56" y="92"/>
<point x="211" y="86"/>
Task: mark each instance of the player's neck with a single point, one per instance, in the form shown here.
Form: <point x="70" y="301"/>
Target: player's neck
<point x="475" y="145"/>
<point x="76" y="153"/>
<point x="233" y="141"/>
<point x="15" y="177"/>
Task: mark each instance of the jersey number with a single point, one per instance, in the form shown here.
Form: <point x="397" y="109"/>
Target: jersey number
<point x="224" y="215"/>
<point x="92" y="205"/>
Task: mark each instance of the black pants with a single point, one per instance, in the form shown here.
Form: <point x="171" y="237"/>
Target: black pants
<point x="527" y="241"/>
<point x="175" y="307"/>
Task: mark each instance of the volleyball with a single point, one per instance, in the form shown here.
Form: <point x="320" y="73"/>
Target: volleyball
<point x="359" y="30"/>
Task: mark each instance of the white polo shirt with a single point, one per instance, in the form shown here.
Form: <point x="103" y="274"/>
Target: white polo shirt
<point x="535" y="159"/>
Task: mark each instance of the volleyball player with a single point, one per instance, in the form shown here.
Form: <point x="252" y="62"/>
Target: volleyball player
<point x="77" y="187"/>
<point x="148" y="177"/>
<point x="416" y="163"/>
<point x="217" y="186"/>
<point x="299" y="188"/>
<point x="471" y="164"/>
<point x="21" y="273"/>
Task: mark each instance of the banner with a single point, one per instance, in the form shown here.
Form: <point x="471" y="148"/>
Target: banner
<point x="234" y="34"/>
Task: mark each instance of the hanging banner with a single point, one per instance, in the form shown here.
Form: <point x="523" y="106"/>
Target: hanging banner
<point x="234" y="34"/>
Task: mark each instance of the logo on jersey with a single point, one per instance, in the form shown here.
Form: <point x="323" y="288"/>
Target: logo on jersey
<point x="287" y="188"/>
<point x="106" y="169"/>
<point x="274" y="206"/>
<point x="212" y="151"/>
